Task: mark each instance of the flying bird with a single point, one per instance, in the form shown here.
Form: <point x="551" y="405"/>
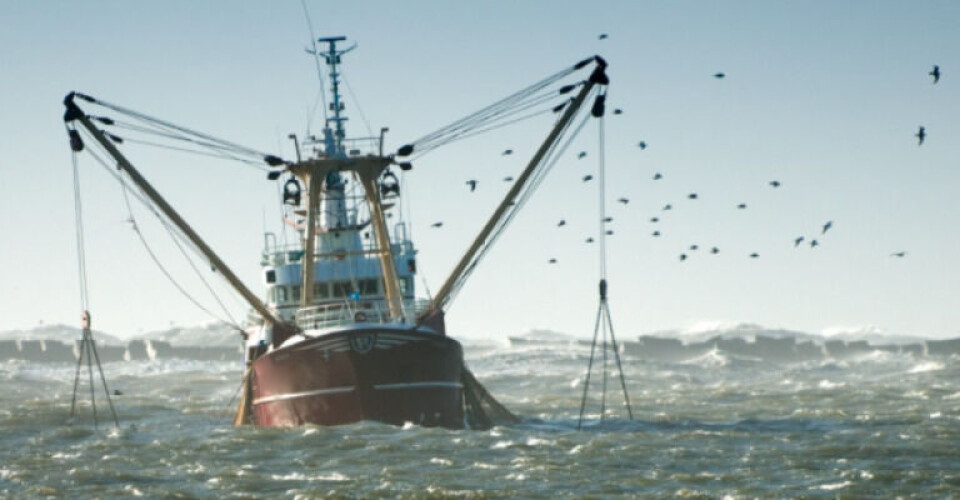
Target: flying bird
<point x="692" y="196"/>
<point x="609" y="231"/>
<point x="624" y="200"/>
<point x="507" y="152"/>
<point x="901" y="254"/>
<point x="668" y="207"/>
<point x="508" y="179"/>
<point x="617" y="111"/>
<point x="921" y="135"/>
<point x="656" y="233"/>
<point x="608" y="219"/>
<point x="473" y="185"/>
<point x="714" y="250"/>
<point x="683" y="257"/>
<point x="562" y="223"/>
<point x="657" y="176"/>
<point x="587" y="178"/>
<point x="797" y="241"/>
<point x="589" y="240"/>
<point x="654" y="220"/>
<point x="935" y="73"/>
<point x="814" y="243"/>
<point x="603" y="36"/>
<point x="552" y="261"/>
<point x="742" y="206"/>
<point x="827" y="226"/>
<point x="719" y="75"/>
<point x="582" y="154"/>
<point x="775" y="184"/>
<point x="437" y="224"/>
<point x="754" y="255"/>
<point x="642" y="145"/>
<point x="694" y="247"/>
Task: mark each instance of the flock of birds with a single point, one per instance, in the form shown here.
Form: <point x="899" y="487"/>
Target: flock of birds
<point x="813" y="242"/>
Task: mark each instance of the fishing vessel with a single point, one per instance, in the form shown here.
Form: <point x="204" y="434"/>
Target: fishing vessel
<point x="342" y="334"/>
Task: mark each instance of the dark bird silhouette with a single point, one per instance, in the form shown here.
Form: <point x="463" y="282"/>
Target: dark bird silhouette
<point x="561" y="223"/>
<point x="814" y="243"/>
<point x="473" y="185"/>
<point x="719" y="75"/>
<point x="694" y="247"/>
<point x="683" y="257"/>
<point x="742" y="206"/>
<point x="826" y="227"/>
<point x="797" y="241"/>
<point x="900" y="254"/>
<point x="775" y="184"/>
<point x="617" y="111"/>
<point x="609" y="232"/>
<point x="754" y="255"/>
<point x="508" y="179"/>
<point x="507" y="152"/>
<point x="624" y="200"/>
<point x="935" y="73"/>
<point x="656" y="233"/>
<point x="603" y="36"/>
<point x="921" y="135"/>
<point x="437" y="224"/>
<point x="714" y="250"/>
<point x="552" y="261"/>
<point x="657" y="176"/>
<point x="582" y="154"/>
<point x="692" y="196"/>
<point x="642" y="145"/>
<point x="668" y="207"/>
<point x="117" y="392"/>
<point x="608" y="219"/>
<point x="589" y="240"/>
<point x="654" y="220"/>
<point x="587" y="178"/>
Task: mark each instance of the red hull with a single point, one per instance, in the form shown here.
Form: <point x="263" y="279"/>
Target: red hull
<point x="390" y="375"/>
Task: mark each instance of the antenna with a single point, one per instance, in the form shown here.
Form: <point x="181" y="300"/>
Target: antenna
<point x="333" y="141"/>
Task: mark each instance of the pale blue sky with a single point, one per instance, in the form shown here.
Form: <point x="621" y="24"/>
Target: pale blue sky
<point x="824" y="96"/>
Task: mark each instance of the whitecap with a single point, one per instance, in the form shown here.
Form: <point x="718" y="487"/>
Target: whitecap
<point x="927" y="366"/>
<point x="441" y="461"/>
<point x="834" y="486"/>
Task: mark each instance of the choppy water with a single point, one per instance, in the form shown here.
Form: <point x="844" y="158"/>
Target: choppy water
<point x="882" y="426"/>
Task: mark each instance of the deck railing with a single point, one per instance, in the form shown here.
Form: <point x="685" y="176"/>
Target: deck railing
<point x="356" y="311"/>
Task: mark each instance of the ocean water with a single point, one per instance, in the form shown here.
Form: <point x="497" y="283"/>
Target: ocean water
<point x="882" y="426"/>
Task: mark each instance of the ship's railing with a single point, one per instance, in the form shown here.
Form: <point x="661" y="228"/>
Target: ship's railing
<point x="356" y="311"/>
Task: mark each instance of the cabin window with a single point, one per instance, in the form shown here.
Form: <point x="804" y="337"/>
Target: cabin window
<point x="342" y="289"/>
<point x="321" y="290"/>
<point x="368" y="286"/>
<point x="281" y="294"/>
<point x="271" y="276"/>
<point x="295" y="294"/>
<point x="406" y="286"/>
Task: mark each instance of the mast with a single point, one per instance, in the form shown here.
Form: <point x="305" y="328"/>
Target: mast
<point x="442" y="296"/>
<point x="74" y="111"/>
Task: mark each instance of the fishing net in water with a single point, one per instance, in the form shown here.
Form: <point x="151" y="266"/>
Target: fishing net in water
<point x="483" y="411"/>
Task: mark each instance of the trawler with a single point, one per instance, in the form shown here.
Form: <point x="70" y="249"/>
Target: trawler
<point x="342" y="335"/>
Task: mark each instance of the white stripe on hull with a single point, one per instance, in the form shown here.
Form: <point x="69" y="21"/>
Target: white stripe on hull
<point x="304" y="394"/>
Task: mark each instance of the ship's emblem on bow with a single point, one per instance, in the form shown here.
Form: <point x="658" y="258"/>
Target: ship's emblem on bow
<point x="363" y="343"/>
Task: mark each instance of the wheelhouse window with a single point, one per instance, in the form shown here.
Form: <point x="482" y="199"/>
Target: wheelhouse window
<point x="342" y="289"/>
<point x="321" y="291"/>
<point x="368" y="286"/>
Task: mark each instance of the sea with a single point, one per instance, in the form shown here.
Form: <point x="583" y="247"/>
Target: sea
<point x="883" y="425"/>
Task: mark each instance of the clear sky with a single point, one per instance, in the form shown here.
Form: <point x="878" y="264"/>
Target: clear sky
<point x="823" y="96"/>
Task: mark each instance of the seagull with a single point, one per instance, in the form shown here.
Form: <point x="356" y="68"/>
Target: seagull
<point x="552" y="261"/>
<point x="694" y="247"/>
<point x="656" y="233"/>
<point x="473" y="185"/>
<point x="797" y="241"/>
<point x="642" y="145"/>
<point x="117" y="392"/>
<point x="508" y="179"/>
<point x="657" y="176"/>
<point x="921" y="135"/>
<point x="587" y="178"/>
<point x="609" y="231"/>
<point x="719" y="75"/>
<point x="582" y="155"/>
<point x="827" y="226"/>
<point x="935" y="73"/>
<point x="714" y="250"/>
<point x="507" y="152"/>
<point x="617" y="111"/>
<point x="437" y="224"/>
<point x="608" y="219"/>
<point x="742" y="206"/>
<point x="754" y="255"/>
<point x="683" y="257"/>
<point x="668" y="207"/>
<point x="603" y="36"/>
<point x="589" y="240"/>
<point x="813" y="243"/>
<point x="901" y="254"/>
<point x="624" y="200"/>
<point x="775" y="184"/>
<point x="562" y="223"/>
<point x="692" y="196"/>
<point x="654" y="220"/>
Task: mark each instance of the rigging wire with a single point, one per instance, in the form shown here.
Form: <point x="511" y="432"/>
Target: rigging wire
<point x="316" y="59"/>
<point x="356" y="102"/>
